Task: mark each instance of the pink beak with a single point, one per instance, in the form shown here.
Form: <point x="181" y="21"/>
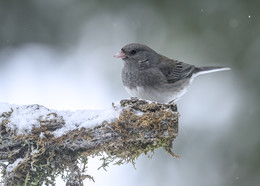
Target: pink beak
<point x="120" y="54"/>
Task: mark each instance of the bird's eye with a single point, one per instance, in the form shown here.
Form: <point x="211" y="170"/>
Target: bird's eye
<point x="133" y="52"/>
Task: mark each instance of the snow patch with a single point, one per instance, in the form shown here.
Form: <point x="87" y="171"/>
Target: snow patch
<point x="86" y="119"/>
<point x="41" y="135"/>
<point x="11" y="167"/>
<point x="24" y="118"/>
<point x="4" y="107"/>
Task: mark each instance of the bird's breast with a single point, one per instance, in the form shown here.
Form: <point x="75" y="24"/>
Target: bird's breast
<point x="142" y="78"/>
<point x="132" y="78"/>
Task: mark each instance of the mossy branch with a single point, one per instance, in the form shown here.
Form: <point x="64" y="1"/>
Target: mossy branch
<point x="38" y="157"/>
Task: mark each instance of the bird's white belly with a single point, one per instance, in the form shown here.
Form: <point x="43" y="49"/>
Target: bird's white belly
<point x="154" y="94"/>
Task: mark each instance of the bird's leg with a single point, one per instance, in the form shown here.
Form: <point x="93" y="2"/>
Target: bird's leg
<point x="172" y="105"/>
<point x="171" y="102"/>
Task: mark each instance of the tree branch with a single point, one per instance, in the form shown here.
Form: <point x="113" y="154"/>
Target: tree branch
<point x="45" y="147"/>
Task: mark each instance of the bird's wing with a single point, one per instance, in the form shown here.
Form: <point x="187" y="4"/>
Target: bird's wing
<point x="175" y="70"/>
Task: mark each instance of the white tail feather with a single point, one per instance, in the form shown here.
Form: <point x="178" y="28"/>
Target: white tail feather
<point x="211" y="70"/>
<point x="206" y="71"/>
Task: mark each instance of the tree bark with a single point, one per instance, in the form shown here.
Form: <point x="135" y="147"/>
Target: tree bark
<point x="38" y="156"/>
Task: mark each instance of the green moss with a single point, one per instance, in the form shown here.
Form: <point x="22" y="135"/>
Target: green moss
<point x="46" y="158"/>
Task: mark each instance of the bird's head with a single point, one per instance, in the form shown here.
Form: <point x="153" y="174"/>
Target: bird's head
<point x="138" y="55"/>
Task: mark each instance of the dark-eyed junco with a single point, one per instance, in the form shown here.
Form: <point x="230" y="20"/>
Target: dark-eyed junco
<point x="152" y="76"/>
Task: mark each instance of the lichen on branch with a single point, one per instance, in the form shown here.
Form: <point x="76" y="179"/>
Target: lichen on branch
<point x="38" y="155"/>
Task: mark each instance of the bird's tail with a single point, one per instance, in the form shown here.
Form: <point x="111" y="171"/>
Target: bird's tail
<point x="205" y="70"/>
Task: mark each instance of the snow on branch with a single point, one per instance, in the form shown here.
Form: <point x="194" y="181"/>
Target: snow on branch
<point x="38" y="144"/>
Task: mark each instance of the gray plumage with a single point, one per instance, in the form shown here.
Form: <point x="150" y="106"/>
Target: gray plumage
<point x="149" y="75"/>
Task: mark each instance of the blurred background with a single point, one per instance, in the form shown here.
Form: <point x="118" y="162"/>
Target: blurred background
<point x="60" y="54"/>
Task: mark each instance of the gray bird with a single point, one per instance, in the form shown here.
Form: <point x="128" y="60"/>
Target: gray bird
<point x="152" y="76"/>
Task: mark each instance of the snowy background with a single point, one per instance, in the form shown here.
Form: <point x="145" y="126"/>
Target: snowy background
<point x="60" y="54"/>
